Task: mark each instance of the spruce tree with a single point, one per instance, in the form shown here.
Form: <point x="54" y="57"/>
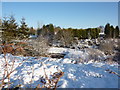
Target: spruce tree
<point x="112" y="31"/>
<point x="107" y="30"/>
<point x="10" y="28"/>
<point x="117" y="32"/>
<point x="23" y="29"/>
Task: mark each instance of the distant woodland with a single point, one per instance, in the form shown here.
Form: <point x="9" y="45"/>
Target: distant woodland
<point x="12" y="30"/>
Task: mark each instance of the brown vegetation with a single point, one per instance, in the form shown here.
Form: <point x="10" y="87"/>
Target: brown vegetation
<point x="12" y="48"/>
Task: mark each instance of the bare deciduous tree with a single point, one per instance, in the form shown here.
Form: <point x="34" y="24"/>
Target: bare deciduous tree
<point x="65" y="37"/>
<point x="39" y="45"/>
<point x="107" y="46"/>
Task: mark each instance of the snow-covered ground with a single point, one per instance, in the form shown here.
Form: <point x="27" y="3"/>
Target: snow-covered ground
<point x="76" y="75"/>
<point x="85" y="54"/>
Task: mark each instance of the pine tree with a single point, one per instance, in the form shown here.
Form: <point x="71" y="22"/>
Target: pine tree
<point x="10" y="28"/>
<point x="51" y="28"/>
<point x="107" y="30"/>
<point x="23" y="29"/>
<point x="112" y="31"/>
<point x="117" y="32"/>
<point x="12" y="23"/>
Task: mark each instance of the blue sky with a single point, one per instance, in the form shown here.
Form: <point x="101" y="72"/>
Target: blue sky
<point x="64" y="14"/>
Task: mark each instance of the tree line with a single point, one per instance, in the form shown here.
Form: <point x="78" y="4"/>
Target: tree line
<point x="12" y="30"/>
<point x="111" y="32"/>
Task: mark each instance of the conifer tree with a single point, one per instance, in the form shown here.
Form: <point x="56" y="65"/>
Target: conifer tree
<point x="112" y="31"/>
<point x="10" y="28"/>
<point x="107" y="30"/>
<point x="117" y="32"/>
<point x="23" y="29"/>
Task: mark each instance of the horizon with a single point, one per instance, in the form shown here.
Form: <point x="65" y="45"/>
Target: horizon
<point x="63" y="14"/>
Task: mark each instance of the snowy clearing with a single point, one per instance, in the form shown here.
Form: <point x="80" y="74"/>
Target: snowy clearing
<point x="81" y="75"/>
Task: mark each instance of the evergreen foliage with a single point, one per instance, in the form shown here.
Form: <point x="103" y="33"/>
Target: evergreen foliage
<point x="117" y="32"/>
<point x="12" y="31"/>
<point x="111" y="32"/>
<point x="23" y="29"/>
<point x="10" y="27"/>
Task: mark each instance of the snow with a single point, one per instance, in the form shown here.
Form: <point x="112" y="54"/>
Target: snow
<point x="32" y="36"/>
<point x="84" y="55"/>
<point x="58" y="50"/>
<point x="76" y="75"/>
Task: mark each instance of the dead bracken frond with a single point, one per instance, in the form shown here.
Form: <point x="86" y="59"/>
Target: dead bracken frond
<point x="110" y="71"/>
<point x="12" y="48"/>
<point x="8" y="68"/>
<point x="51" y="83"/>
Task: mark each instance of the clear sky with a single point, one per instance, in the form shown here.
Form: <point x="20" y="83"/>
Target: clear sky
<point x="64" y="14"/>
<point x="60" y="0"/>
